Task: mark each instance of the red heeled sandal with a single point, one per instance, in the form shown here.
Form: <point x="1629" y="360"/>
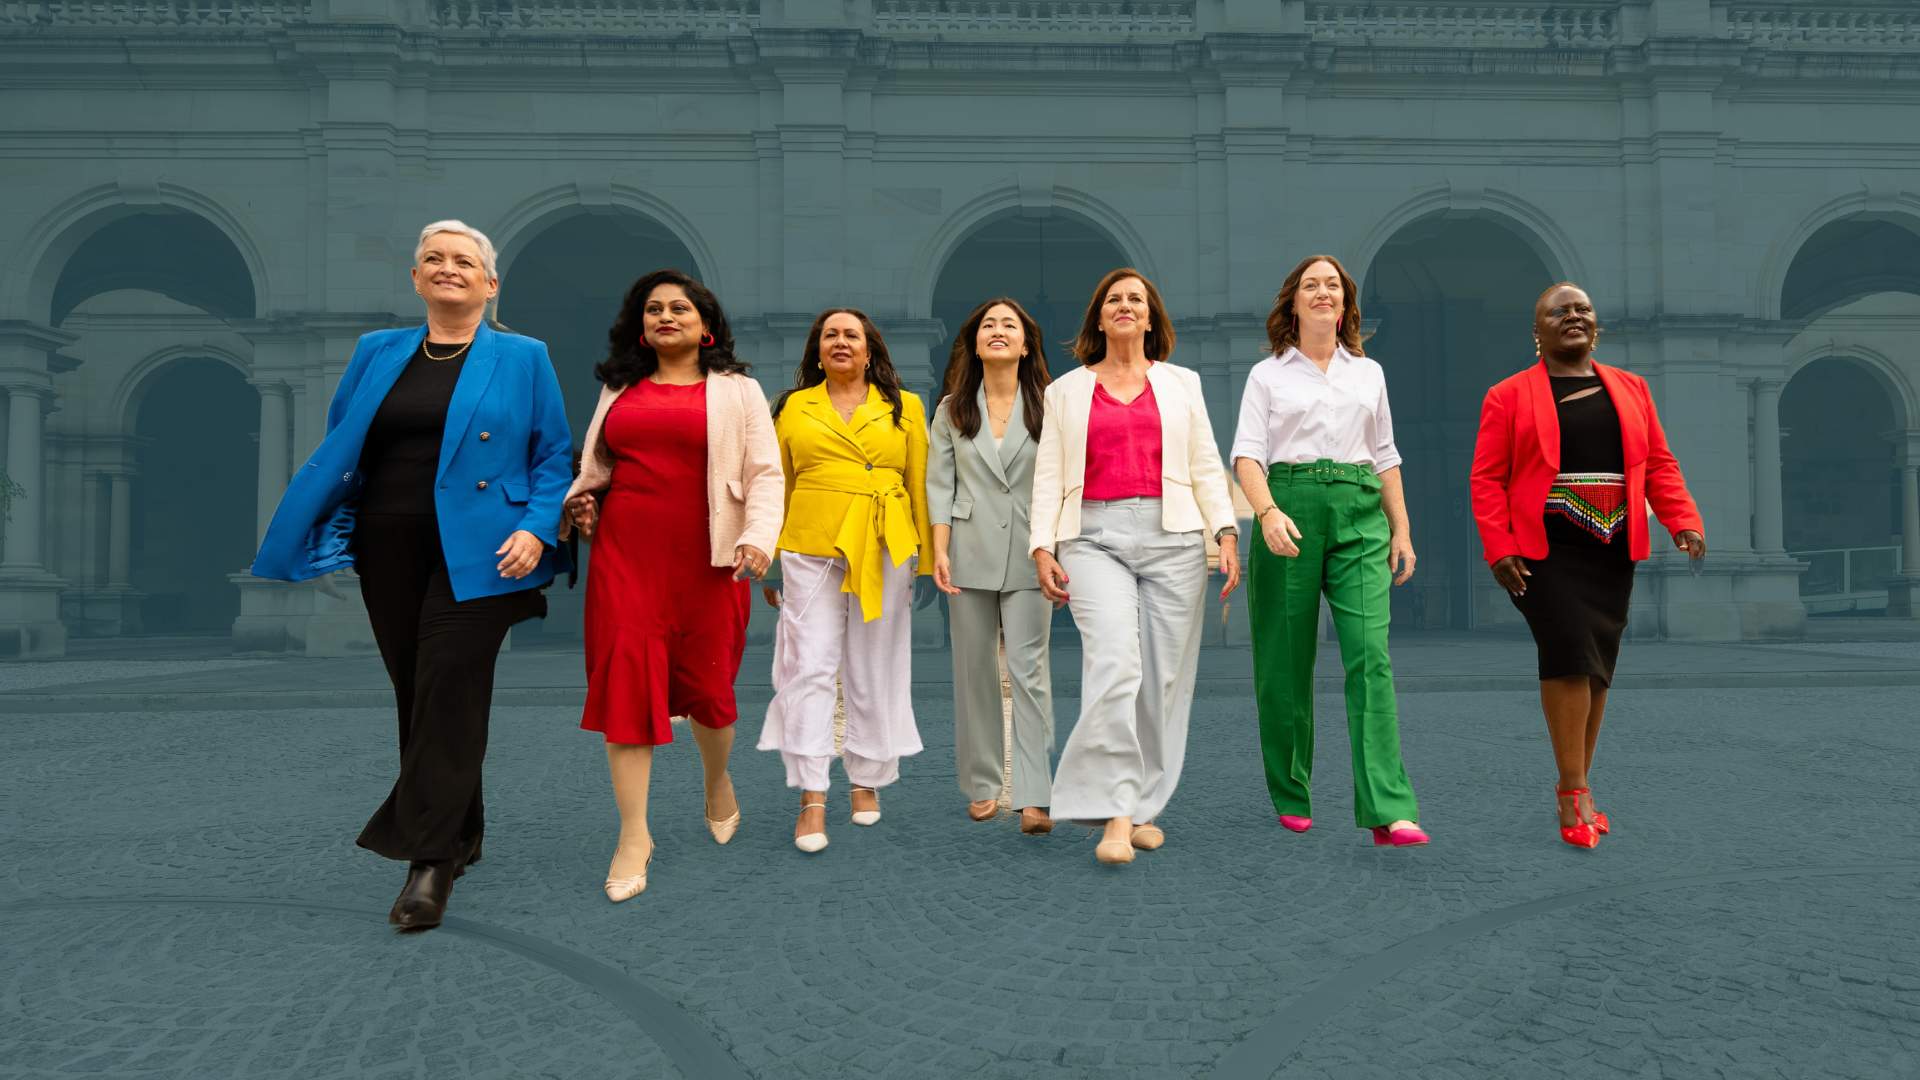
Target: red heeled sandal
<point x="1600" y="823"/>
<point x="1584" y="834"/>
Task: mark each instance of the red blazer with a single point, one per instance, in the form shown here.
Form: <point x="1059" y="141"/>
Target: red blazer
<point x="1517" y="456"/>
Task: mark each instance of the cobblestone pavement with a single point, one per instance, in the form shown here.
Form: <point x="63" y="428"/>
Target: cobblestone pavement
<point x="180" y="897"/>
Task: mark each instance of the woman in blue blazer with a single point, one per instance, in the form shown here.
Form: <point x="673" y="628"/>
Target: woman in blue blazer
<point x="440" y="481"/>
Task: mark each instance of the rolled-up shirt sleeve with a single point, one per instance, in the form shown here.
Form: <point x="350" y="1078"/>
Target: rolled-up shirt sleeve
<point x="1250" y="434"/>
<point x="1385" y="454"/>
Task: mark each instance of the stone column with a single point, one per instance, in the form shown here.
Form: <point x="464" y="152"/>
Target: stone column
<point x="1768" y="535"/>
<point x="26" y="406"/>
<point x="30" y="618"/>
<point x="120" y="530"/>
<point x="272" y="478"/>
<point x="1903" y="593"/>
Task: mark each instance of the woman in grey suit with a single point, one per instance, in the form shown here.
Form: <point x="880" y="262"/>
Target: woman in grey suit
<point x="979" y="488"/>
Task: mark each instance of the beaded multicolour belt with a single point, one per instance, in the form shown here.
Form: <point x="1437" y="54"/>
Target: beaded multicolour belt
<point x="1595" y="501"/>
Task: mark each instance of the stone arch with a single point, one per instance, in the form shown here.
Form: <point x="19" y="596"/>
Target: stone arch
<point x="1770" y="284"/>
<point x="29" y="286"/>
<point x="1447" y="296"/>
<point x="1009" y="201"/>
<point x="131" y="391"/>
<point x="528" y="219"/>
<point x="1885" y="371"/>
<point x="1532" y="226"/>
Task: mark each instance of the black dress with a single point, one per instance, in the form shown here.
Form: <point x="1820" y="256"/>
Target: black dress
<point x="1576" y="598"/>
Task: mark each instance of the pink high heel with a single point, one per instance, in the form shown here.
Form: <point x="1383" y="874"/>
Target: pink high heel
<point x="1295" y="823"/>
<point x="1408" y="836"/>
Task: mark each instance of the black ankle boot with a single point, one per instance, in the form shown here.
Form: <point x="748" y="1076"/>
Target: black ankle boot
<point x="423" y="899"/>
<point x="473" y="857"/>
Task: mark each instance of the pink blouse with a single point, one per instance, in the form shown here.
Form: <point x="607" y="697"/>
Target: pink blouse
<point x="1123" y="447"/>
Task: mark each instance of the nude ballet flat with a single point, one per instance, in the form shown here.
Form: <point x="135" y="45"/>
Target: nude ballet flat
<point x="626" y="888"/>
<point x="814" y="841"/>
<point x="1148" y="837"/>
<point x="1113" y="852"/>
<point x="1034" y="821"/>
<point x="983" y="809"/>
<point x="867" y="817"/>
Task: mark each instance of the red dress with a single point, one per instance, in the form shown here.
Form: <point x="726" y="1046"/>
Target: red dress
<point x="664" y="629"/>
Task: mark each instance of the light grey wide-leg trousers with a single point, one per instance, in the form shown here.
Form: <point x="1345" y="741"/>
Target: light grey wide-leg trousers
<point x="1138" y="598"/>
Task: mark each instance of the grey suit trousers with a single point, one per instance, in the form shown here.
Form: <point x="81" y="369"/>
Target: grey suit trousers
<point x="978" y="618"/>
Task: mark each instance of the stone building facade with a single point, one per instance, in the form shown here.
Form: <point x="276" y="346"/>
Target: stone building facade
<point x="207" y="201"/>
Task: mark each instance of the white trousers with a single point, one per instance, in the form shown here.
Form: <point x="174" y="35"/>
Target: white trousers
<point x="1139" y="595"/>
<point x="822" y="634"/>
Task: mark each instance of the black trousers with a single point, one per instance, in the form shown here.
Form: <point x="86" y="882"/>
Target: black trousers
<point x="440" y="655"/>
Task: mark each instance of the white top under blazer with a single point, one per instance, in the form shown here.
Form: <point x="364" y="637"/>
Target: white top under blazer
<point x="1193" y="482"/>
<point x="1293" y="412"/>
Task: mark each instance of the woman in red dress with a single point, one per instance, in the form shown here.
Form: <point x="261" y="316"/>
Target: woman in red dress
<point x="680" y="488"/>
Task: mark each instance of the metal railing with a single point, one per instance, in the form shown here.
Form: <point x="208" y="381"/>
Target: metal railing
<point x="1848" y="579"/>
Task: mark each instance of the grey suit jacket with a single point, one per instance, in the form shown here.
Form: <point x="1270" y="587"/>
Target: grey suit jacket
<point x="984" y="496"/>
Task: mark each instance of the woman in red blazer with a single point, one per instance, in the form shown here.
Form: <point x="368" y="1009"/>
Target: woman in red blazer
<point x="1569" y="455"/>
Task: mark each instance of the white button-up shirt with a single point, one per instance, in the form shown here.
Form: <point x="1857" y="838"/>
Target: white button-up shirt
<point x="1293" y="412"/>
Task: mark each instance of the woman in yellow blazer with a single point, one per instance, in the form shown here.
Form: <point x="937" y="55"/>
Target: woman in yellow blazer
<point x="854" y="449"/>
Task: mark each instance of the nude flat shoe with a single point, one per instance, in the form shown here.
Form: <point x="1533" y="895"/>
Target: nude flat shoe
<point x="814" y="841"/>
<point x="1113" y="852"/>
<point x="1035" y="821"/>
<point x="1148" y="837"/>
<point x="983" y="809"/>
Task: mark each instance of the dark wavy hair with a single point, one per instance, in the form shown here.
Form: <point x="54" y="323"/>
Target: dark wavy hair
<point x="629" y="360"/>
<point x="880" y="373"/>
<point x="1283" y="324"/>
<point x="1091" y="346"/>
<point x="965" y="371"/>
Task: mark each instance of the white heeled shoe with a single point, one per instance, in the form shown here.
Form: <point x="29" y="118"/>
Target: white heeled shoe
<point x="626" y="888"/>
<point x="814" y="841"/>
<point x="868" y="817"/>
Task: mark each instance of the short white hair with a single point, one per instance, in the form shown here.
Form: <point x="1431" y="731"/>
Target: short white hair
<point x="459" y="228"/>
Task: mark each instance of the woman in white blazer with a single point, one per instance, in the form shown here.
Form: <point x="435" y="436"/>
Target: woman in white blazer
<point x="681" y="480"/>
<point x="1127" y="486"/>
<point x="986" y="433"/>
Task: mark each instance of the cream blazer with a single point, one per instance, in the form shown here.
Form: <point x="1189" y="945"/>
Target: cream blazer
<point x="1193" y="482"/>
<point x="745" y="488"/>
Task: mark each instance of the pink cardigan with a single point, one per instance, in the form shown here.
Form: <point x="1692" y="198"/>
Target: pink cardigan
<point x="745" y="487"/>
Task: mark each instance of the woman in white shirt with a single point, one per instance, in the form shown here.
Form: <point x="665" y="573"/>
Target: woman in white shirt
<point x="1314" y="453"/>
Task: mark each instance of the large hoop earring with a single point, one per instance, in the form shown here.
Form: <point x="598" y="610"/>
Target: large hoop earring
<point x="706" y="341"/>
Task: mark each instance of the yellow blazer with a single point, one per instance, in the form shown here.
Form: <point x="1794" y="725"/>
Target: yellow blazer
<point x="855" y="490"/>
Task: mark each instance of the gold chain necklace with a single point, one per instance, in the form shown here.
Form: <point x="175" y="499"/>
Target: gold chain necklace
<point x="454" y="356"/>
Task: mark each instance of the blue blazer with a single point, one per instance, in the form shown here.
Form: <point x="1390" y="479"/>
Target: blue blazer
<point x="505" y="464"/>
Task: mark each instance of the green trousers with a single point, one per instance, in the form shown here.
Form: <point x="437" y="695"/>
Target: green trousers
<point x="1343" y="553"/>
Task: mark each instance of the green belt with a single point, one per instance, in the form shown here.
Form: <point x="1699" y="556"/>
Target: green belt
<point x="1325" y="471"/>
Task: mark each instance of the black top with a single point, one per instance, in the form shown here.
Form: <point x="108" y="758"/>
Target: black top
<point x="1589" y="443"/>
<point x="401" y="456"/>
<point x="1589" y="427"/>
